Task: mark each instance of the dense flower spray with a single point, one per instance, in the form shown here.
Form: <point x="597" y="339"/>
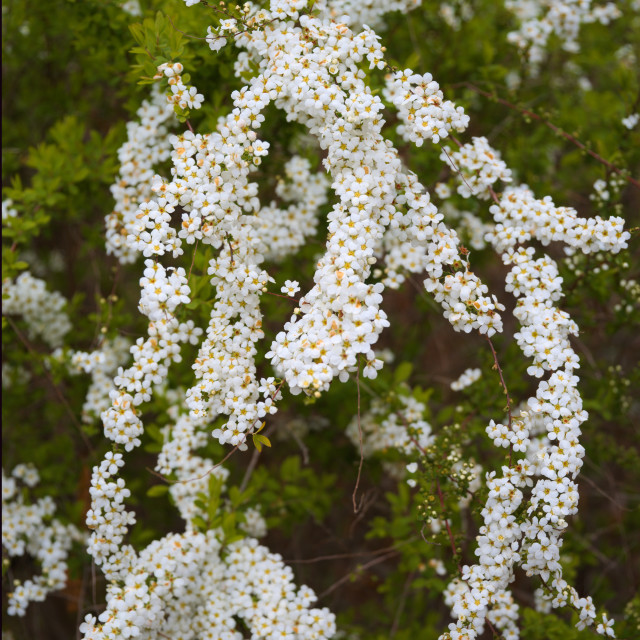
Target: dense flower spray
<point x="308" y="66"/>
<point x="383" y="226"/>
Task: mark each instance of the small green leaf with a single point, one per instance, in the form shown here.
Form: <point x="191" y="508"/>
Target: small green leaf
<point x="262" y="439"/>
<point x="157" y="490"/>
<point x="403" y="372"/>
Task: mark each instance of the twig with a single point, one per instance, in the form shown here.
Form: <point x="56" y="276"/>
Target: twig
<point x="401" y="604"/>
<point x="193" y="259"/>
<point x="54" y="386"/>
<point x="233" y="262"/>
<point x="446" y="522"/>
<point x="367" y="500"/>
<point x="556" y="129"/>
<point x="504" y="386"/>
<point x="280" y="295"/>
<point x="342" y="580"/>
<point x="93" y="582"/>
<point x="428" y="541"/>
<point x="183" y="33"/>
<point x="454" y="167"/>
<point x="493" y="630"/>
<point x="204" y="475"/>
<point x="301" y="444"/>
<point x="254" y="461"/>
<point x="80" y="601"/>
<point x="340" y="556"/>
<point x="355" y="490"/>
<point x="110" y="301"/>
<point x="592" y="484"/>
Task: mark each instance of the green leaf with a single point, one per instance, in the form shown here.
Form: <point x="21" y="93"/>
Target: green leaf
<point x="262" y="439"/>
<point x="402" y="372"/>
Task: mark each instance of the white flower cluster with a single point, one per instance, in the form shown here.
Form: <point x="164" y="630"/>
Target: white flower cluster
<point x="424" y="113"/>
<point x="535" y="544"/>
<point x="632" y="287"/>
<point x="480" y="167"/>
<point x="487" y="581"/>
<point x="42" y="310"/>
<point x="455" y="13"/>
<point x="358" y="13"/>
<point x="519" y="217"/>
<point x="183" y="587"/>
<point x="102" y="365"/>
<point x="629" y="122"/>
<point x="215" y="196"/>
<point x="503" y="616"/>
<point x="514" y="436"/>
<point x="132" y="7"/>
<point x="541" y="18"/>
<point x="314" y="81"/>
<point x="308" y="67"/>
<point x="180" y="95"/>
<point x="30" y="528"/>
<point x="384" y="428"/>
<point x="281" y="232"/>
<point x="146" y="146"/>
<point x="7" y="210"/>
<point x="151" y="234"/>
<point x="151" y="357"/>
<point x="466" y="306"/>
<point x="545" y="331"/>
<point x="188" y="585"/>
<point x="466" y="379"/>
<point x="160" y="296"/>
<point x="14" y="375"/>
<point x="181" y="583"/>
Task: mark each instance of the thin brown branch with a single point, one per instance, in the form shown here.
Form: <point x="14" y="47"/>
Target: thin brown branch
<point x="193" y="259"/>
<point x="342" y="556"/>
<point x="447" y="525"/>
<point x="183" y="33"/>
<point x="401" y="604"/>
<point x="204" y="475"/>
<point x="301" y="445"/>
<point x="554" y="128"/>
<point x="504" y="387"/>
<point x="53" y="385"/>
<point x="344" y="579"/>
<point x="254" y="461"/>
<point x="455" y="168"/>
<point x="355" y="490"/>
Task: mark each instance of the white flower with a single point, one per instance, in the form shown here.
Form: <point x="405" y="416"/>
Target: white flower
<point x="290" y="287"/>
